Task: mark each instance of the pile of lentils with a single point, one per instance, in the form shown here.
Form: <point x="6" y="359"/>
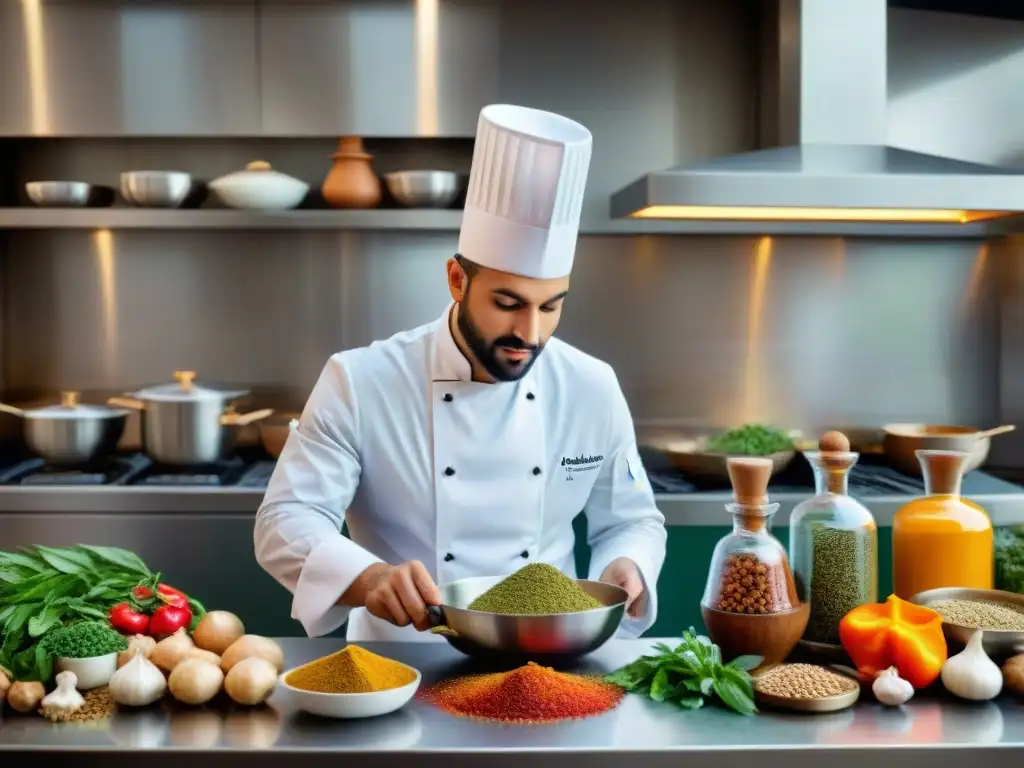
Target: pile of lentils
<point x="803" y="681"/>
<point x="981" y="614"/>
<point x="843" y="576"/>
<point x="534" y="590"/>
<point x="749" y="585"/>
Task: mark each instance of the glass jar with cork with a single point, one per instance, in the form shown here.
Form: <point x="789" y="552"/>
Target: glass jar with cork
<point x="750" y="604"/>
<point x="941" y="539"/>
<point x="833" y="545"/>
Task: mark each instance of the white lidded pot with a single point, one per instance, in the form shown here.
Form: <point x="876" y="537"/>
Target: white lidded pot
<point x="260" y="188"/>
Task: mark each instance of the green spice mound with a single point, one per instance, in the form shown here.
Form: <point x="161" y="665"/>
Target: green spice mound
<point x="533" y="590"/>
<point x="751" y="440"/>
<point x="84" y="640"/>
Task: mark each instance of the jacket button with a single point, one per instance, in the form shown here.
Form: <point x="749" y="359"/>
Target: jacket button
<point x="529" y="396"/>
<point x="449" y="471"/>
<point x="447" y="397"/>
<point x="449" y="557"/>
<point x="524" y="554"/>
<point x="536" y="470"/>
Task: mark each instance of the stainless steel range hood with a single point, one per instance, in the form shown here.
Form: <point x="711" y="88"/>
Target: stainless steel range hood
<point x="829" y="78"/>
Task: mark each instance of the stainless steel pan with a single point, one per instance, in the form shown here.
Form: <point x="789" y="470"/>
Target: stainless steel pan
<point x="186" y="424"/>
<point x="71" y="434"/>
<point x="562" y="635"/>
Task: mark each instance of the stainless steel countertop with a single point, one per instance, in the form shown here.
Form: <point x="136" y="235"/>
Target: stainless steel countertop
<point x="932" y="731"/>
<point x="701" y="509"/>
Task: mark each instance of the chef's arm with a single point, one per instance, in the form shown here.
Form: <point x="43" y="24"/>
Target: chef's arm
<point x="622" y="518"/>
<point x="297" y="535"/>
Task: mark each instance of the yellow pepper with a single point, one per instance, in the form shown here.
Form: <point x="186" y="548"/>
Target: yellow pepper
<point x="895" y="634"/>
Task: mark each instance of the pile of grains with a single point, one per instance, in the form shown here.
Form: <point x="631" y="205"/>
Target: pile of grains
<point x="351" y="670"/>
<point x="750" y="586"/>
<point x="981" y="614"/>
<point x="529" y="694"/>
<point x="533" y="590"/>
<point x="803" y="681"/>
<point x="98" y="705"/>
<point x="844" y="566"/>
<point x="85" y="640"/>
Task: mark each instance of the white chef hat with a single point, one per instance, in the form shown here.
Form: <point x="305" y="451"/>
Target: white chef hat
<point x="525" y="191"/>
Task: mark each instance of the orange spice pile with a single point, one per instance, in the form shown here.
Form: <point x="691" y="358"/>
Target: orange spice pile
<point x="529" y="694"/>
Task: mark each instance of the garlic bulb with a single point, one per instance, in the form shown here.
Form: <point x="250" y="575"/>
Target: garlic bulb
<point x="971" y="674"/>
<point x="890" y="689"/>
<point x="143" y="644"/>
<point x="137" y="683"/>
<point x="64" y="698"/>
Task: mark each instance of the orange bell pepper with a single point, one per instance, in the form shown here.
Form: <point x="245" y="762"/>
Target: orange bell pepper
<point x="895" y="634"/>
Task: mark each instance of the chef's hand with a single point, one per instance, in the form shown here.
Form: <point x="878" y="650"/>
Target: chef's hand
<point x="623" y="572"/>
<point x="400" y="594"/>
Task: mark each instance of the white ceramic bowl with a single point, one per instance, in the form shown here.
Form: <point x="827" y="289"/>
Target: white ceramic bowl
<point x="260" y="190"/>
<point x="92" y="672"/>
<point x="351" y="705"/>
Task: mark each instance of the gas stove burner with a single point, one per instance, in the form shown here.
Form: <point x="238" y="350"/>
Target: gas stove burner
<point x="219" y="474"/>
<point x="116" y="470"/>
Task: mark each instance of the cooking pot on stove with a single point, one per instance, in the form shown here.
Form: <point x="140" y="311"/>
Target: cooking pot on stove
<point x="187" y="424"/>
<point x="71" y="433"/>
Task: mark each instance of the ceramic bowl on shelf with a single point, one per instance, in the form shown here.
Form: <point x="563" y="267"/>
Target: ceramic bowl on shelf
<point x="91" y="672"/>
<point x="346" y="706"/>
<point x="260" y="188"/>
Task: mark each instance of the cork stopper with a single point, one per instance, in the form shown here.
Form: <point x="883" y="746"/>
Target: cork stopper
<point x="834" y="442"/>
<point x="749" y="477"/>
<point x="943" y="471"/>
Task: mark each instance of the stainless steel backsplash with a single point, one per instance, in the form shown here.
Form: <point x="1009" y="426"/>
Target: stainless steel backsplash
<point x="700" y="329"/>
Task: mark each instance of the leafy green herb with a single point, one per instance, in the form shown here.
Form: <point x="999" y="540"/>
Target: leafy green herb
<point x="1009" y="556"/>
<point x="45" y="588"/>
<point x="84" y="640"/>
<point x="751" y="440"/>
<point x="689" y="674"/>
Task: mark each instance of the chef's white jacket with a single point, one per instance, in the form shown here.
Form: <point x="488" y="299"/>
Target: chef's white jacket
<point x="472" y="479"/>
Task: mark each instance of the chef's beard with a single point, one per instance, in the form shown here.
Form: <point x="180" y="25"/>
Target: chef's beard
<point x="486" y="352"/>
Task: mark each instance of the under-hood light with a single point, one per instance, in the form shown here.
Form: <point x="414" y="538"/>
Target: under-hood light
<point x="764" y="213"/>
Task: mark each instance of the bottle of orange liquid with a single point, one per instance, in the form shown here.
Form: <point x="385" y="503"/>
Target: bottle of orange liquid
<point x="941" y="539"/>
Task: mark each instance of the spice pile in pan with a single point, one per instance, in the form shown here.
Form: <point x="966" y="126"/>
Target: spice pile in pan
<point x="535" y="589"/>
<point x="529" y="694"/>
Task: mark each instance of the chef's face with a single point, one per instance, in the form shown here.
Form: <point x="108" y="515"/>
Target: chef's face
<point x="505" y="319"/>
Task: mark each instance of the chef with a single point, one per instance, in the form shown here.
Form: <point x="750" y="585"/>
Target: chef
<point x="466" y="447"/>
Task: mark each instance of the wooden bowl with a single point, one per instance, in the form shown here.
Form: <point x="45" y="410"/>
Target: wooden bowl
<point x="692" y="459"/>
<point x="901" y="440"/>
<point x="771" y="635"/>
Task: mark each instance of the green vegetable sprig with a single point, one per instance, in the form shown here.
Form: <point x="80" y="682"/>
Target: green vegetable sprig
<point x="690" y="673"/>
<point x="1009" y="557"/>
<point x="45" y="588"/>
<point x="751" y="440"/>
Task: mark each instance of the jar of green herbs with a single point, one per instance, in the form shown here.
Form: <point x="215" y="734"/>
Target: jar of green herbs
<point x="833" y="543"/>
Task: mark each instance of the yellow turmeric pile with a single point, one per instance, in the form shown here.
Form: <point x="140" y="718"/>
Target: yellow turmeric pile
<point x="351" y="670"/>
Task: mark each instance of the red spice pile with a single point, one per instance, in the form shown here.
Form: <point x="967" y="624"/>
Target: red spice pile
<point x="530" y="694"/>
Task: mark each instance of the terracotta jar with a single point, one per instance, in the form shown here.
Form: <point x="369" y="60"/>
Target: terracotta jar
<point x="352" y="182"/>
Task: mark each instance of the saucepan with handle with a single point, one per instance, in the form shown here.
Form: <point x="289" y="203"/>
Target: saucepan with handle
<point x="903" y="440"/>
<point x="71" y="433"/>
<point x="553" y="637"/>
<point x="187" y="424"/>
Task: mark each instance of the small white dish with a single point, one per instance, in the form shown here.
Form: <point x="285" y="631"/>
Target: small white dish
<point x="91" y="672"/>
<point x="351" y="705"/>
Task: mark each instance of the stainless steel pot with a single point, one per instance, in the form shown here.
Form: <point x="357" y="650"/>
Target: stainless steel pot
<point x="186" y="424"/>
<point x="71" y="434"/>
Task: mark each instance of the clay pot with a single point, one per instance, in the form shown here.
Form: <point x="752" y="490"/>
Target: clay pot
<point x="352" y="182"/>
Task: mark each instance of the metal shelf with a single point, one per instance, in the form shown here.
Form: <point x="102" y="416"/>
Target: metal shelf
<point x="450" y="220"/>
